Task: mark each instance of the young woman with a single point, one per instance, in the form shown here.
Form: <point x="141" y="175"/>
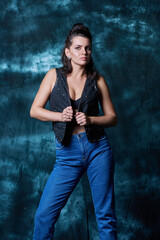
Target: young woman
<point x="74" y="92"/>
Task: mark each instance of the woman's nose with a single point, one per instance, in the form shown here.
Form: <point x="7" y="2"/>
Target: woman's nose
<point x="84" y="51"/>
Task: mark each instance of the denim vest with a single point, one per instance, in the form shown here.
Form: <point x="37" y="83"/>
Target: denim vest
<point x="60" y="99"/>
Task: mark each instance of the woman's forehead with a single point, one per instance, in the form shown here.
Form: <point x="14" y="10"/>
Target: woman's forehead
<point x="79" y="40"/>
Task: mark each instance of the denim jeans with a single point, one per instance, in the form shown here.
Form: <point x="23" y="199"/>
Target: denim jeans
<point x="71" y="163"/>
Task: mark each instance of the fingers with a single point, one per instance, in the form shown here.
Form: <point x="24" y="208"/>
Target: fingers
<point x="67" y="114"/>
<point x="81" y="118"/>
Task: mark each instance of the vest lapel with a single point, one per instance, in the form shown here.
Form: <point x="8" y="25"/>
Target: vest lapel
<point x="65" y="85"/>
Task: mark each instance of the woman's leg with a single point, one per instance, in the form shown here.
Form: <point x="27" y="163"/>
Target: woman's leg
<point x="100" y="173"/>
<point x="61" y="183"/>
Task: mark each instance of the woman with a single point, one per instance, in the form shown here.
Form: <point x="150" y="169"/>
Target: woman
<point x="74" y="91"/>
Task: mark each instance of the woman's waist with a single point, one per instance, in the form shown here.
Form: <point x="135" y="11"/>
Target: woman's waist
<point x="77" y="129"/>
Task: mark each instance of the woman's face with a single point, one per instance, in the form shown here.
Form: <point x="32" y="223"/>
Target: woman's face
<point x="79" y="51"/>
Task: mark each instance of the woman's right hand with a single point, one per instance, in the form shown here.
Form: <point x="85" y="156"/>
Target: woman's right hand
<point x="67" y="114"/>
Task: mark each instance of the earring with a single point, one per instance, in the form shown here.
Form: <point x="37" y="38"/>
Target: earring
<point x="69" y="58"/>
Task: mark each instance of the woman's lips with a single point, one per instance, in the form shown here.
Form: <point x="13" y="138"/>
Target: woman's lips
<point x="84" y="58"/>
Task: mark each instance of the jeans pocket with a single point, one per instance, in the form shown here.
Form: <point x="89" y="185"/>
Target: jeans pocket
<point x="103" y="143"/>
<point x="59" y="145"/>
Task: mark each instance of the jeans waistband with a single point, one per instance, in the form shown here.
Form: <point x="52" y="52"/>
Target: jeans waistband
<point x="79" y="135"/>
<point x="82" y="135"/>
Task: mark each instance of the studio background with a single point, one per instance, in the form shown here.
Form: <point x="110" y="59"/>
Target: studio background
<point x="126" y="51"/>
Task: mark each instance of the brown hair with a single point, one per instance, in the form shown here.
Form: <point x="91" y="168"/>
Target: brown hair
<point x="78" y="29"/>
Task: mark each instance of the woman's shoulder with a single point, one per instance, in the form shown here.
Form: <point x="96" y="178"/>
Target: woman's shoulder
<point x="52" y="71"/>
<point x="101" y="82"/>
<point x="100" y="78"/>
<point x="51" y="76"/>
<point x="55" y="70"/>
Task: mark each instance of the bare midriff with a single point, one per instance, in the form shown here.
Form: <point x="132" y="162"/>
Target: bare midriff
<point x="77" y="128"/>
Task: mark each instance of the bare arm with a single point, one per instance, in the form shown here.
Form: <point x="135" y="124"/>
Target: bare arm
<point x="38" y="106"/>
<point x="109" y="118"/>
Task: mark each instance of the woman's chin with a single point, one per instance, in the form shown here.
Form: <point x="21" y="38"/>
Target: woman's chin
<point x="84" y="63"/>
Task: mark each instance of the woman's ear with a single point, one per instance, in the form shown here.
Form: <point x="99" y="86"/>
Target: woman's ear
<point x="67" y="52"/>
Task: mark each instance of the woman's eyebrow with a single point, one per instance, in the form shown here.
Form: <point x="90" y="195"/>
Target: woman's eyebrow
<point x="82" y="45"/>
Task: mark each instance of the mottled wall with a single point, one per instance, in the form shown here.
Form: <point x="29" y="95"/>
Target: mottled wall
<point x="127" y="52"/>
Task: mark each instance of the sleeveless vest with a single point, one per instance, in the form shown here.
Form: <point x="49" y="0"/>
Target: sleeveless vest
<point x="60" y="99"/>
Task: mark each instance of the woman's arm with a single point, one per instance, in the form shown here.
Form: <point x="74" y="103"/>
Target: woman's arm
<point x="109" y="118"/>
<point x="37" y="109"/>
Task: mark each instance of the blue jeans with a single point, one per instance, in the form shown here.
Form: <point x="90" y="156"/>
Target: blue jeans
<point x="71" y="163"/>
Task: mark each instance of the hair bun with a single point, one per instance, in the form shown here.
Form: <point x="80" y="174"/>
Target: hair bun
<point x="78" y="26"/>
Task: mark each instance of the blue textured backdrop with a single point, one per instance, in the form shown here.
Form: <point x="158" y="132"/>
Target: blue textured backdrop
<point x="126" y="51"/>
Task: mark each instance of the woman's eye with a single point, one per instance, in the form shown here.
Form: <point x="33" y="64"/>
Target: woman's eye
<point x="88" y="48"/>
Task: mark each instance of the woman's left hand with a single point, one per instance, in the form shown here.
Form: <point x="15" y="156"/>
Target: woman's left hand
<point x="82" y="119"/>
